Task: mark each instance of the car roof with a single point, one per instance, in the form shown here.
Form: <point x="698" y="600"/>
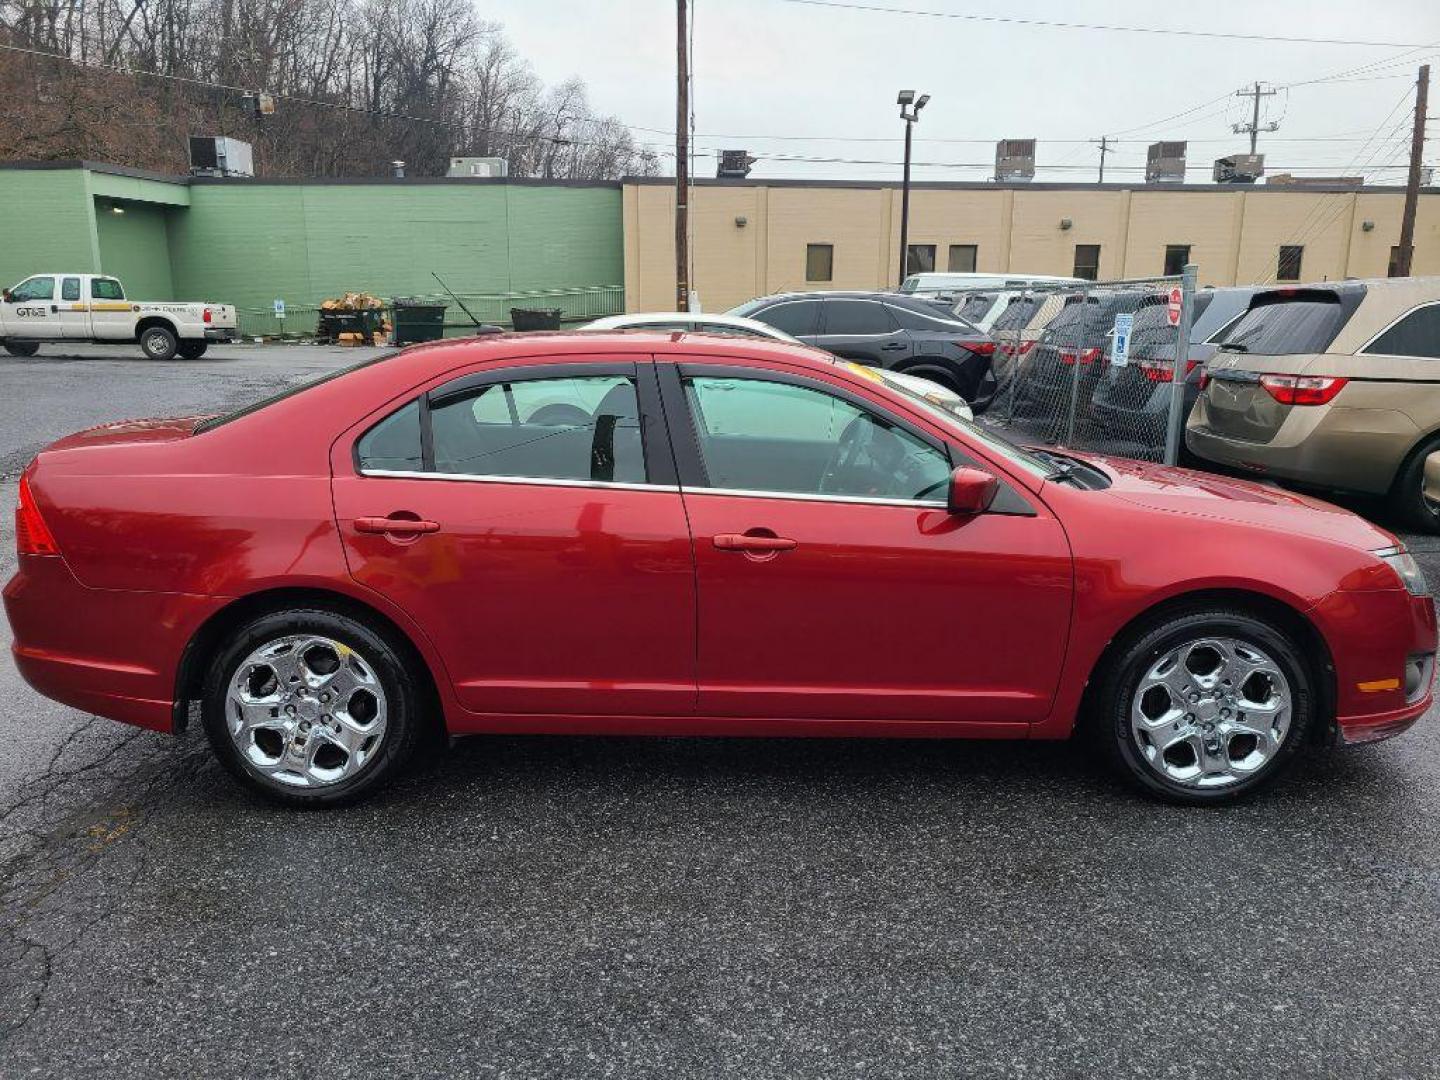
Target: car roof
<point x="718" y="318"/>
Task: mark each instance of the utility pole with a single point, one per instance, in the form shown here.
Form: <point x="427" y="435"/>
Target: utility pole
<point x="1104" y="143"/>
<point x="910" y="113"/>
<point x="682" y="161"/>
<point x="1253" y="129"/>
<point x="1412" y="184"/>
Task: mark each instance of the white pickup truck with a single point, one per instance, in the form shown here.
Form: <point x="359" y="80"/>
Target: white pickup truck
<point x="94" y="308"/>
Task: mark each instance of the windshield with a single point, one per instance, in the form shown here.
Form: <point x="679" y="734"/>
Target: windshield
<point x="976" y="306"/>
<point x="1017" y="313"/>
<point x="265" y="403"/>
<point x="910" y="284"/>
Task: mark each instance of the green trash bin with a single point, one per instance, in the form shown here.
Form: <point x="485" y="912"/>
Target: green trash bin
<point x="523" y="319"/>
<point x="417" y="320"/>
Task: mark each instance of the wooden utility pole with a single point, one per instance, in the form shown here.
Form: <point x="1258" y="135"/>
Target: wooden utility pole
<point x="1406" y="254"/>
<point x="1105" y="148"/>
<point x="682" y="160"/>
<point x="1253" y="128"/>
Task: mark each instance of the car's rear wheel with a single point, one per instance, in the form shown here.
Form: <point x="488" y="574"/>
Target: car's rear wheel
<point x="1407" y="496"/>
<point x="22" y="348"/>
<point x="311" y="708"/>
<point x="193" y="350"/>
<point x="159" y="342"/>
<point x="1205" y="706"/>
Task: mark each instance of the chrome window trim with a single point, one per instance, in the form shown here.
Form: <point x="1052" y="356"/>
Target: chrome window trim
<point x="801" y="496"/>
<point x="530" y="481"/>
<point x="1390" y="326"/>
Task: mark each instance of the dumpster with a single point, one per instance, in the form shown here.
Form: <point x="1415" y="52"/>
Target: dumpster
<point x="417" y="320"/>
<point x="365" y="322"/>
<point x="535" y="318"/>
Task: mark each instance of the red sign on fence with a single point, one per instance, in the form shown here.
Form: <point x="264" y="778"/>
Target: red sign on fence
<point x="1173" y="310"/>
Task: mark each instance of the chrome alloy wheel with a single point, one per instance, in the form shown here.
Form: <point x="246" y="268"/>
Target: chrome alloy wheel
<point x="306" y="710"/>
<point x="1211" y="712"/>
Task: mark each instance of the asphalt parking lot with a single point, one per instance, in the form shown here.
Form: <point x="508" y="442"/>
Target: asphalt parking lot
<point x="576" y="907"/>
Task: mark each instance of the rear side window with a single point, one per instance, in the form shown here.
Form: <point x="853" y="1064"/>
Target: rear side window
<point x="795" y="317"/>
<point x="934" y="320"/>
<point x="1417" y="334"/>
<point x="392" y="445"/>
<point x="70" y="288"/>
<point x="857" y="317"/>
<point x="585" y="428"/>
<point x="1283" y="325"/>
<point x="102" y="288"/>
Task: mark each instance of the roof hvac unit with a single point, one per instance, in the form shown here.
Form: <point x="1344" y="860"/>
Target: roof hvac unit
<point x="216" y="155"/>
<point x="1014" y="161"/>
<point x="1239" y="168"/>
<point x="478" y="166"/>
<point x="734" y="164"/>
<point x="1165" y="163"/>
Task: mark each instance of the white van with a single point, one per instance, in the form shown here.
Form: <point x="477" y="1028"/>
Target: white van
<point x="945" y="284"/>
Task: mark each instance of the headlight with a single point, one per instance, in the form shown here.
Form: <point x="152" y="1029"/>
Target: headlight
<point x="1404" y="564"/>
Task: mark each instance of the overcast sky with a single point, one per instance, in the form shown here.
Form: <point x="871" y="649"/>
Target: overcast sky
<point x="781" y="68"/>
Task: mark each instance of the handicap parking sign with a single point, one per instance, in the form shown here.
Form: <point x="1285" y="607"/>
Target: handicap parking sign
<point x="1120" y="340"/>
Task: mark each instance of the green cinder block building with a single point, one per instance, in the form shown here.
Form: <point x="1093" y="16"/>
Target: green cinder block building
<point x="497" y="243"/>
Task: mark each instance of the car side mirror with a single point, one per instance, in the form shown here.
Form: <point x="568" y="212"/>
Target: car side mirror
<point x="5" y="296"/>
<point x="971" y="491"/>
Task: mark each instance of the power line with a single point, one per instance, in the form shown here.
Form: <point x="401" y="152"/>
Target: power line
<point x="1014" y="21"/>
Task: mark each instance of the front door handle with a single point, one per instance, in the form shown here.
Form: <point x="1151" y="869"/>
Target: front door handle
<point x="749" y="542"/>
<point x="396" y="526"/>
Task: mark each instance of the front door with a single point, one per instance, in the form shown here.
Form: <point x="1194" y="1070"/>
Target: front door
<point x="832" y="583"/>
<point x="529" y="522"/>
<point x="32" y="311"/>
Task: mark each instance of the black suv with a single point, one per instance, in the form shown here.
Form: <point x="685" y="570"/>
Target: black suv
<point x="901" y="333"/>
<point x="1072" y="354"/>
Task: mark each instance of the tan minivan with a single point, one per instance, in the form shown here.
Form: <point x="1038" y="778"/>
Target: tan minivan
<point x="1335" y="386"/>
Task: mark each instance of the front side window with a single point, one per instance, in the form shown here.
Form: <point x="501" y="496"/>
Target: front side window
<point x="796" y="317"/>
<point x="70" y="288"/>
<point x="962" y="258"/>
<point x="1087" y="261"/>
<point x="763" y="436"/>
<point x="819" y="262"/>
<point x="1288" y="264"/>
<point x="920" y="259"/>
<point x="35" y="288"/>
<point x="1417" y="334"/>
<point x="585" y="428"/>
<point x="104" y="288"/>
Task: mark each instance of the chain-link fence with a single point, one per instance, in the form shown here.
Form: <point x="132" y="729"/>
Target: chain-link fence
<point x="1090" y="366"/>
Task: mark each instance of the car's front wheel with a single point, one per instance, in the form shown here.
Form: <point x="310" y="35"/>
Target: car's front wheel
<point x="311" y="707"/>
<point x="22" y="348"/>
<point x="1412" y="498"/>
<point x="1205" y="706"/>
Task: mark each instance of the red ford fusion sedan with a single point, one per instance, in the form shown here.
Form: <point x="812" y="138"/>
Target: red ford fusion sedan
<point x="685" y="534"/>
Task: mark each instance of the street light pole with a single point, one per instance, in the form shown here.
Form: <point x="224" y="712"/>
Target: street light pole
<point x="910" y="113"/>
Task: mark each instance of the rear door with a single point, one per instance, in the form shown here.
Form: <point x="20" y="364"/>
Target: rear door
<point x="862" y="330"/>
<point x="527" y="518"/>
<point x="112" y="317"/>
<point x="33" y="309"/>
<point x="74" y="310"/>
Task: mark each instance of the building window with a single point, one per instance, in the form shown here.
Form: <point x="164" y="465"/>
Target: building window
<point x="962" y="258"/>
<point x="1087" y="261"/>
<point x="1176" y="256"/>
<point x="1394" y="270"/>
<point x="819" y="262"/>
<point x="1288" y="267"/>
<point x="920" y="259"/>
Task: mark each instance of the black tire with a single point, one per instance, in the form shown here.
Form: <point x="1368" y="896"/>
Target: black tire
<point x="404" y="704"/>
<point x="193" y="350"/>
<point x="22" y="348"/>
<point x="159" y="342"/>
<point x="1407" y="494"/>
<point x="1110" y="725"/>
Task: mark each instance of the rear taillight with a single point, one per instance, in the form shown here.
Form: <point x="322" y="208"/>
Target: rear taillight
<point x="208" y="317"/>
<point x="1204" y="378"/>
<point x="1086" y="356"/>
<point x="1303" y="389"/>
<point x="1164" y="370"/>
<point x="1026" y="346"/>
<point x="979" y="348"/>
<point x="32" y="535"/>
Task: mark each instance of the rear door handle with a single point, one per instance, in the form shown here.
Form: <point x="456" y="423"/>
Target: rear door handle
<point x="395" y="526"/>
<point x="746" y="542"/>
<point x="893" y="346"/>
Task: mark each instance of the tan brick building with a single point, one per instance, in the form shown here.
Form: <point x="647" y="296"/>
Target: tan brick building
<point x="752" y="237"/>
